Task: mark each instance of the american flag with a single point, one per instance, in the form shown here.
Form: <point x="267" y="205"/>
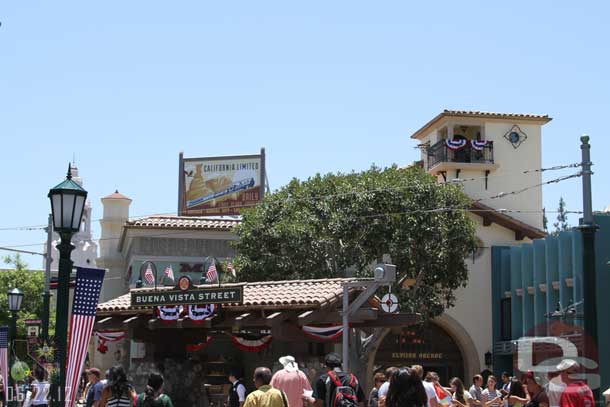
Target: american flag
<point x="169" y="272"/>
<point x="86" y="296"/>
<point x="212" y="274"/>
<point x="4" y="358"/>
<point x="149" y="275"/>
<point x="232" y="269"/>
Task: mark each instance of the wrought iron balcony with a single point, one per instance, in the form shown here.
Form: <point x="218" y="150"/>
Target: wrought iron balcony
<point x="461" y="152"/>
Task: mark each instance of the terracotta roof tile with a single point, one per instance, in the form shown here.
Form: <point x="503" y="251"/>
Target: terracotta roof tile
<point x="182" y="222"/>
<point x="302" y="294"/>
<point x="537" y="118"/>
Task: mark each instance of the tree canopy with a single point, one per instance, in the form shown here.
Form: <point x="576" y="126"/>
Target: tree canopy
<point x="31" y="283"/>
<point x="337" y="225"/>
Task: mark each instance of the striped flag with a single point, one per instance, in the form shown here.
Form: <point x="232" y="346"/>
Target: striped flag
<point x="4" y="359"/>
<point x="149" y="276"/>
<point x="442" y="396"/>
<point x="169" y="272"/>
<point x="231" y="269"/>
<point x="86" y="296"/>
<point x="212" y="274"/>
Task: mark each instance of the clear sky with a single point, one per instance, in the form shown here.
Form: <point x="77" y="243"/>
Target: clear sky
<point x="324" y="86"/>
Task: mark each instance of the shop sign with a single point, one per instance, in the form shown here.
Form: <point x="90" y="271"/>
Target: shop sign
<point x="220" y="185"/>
<point x="417" y="355"/>
<point x="216" y="295"/>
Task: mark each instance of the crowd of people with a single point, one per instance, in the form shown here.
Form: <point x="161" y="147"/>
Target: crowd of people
<point x="290" y="387"/>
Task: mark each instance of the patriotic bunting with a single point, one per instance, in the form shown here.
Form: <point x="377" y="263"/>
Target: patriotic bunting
<point x="4" y="358"/>
<point x="199" y="346"/>
<point x="199" y="313"/>
<point x="326" y="333"/>
<point x="169" y="313"/>
<point x="251" y="343"/>
<point x="479" y="145"/>
<point x="456" y="144"/>
<point x="86" y="296"/>
<point x="108" y="336"/>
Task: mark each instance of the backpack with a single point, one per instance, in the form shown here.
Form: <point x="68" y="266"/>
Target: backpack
<point x="344" y="394"/>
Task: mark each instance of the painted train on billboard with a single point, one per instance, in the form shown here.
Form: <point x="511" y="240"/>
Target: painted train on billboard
<point x="220" y="185"/>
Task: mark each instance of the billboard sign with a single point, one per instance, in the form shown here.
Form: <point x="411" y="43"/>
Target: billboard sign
<point x="212" y="186"/>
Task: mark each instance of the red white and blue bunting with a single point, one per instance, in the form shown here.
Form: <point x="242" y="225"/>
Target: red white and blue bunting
<point x="196" y="347"/>
<point x="170" y="313"/>
<point x="108" y="336"/>
<point x="479" y="145"/>
<point x="251" y="343"/>
<point x="456" y="144"/>
<point x="199" y="313"/>
<point x="323" y="333"/>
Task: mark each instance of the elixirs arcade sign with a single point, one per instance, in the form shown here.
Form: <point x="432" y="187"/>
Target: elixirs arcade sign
<point x="211" y="186"/>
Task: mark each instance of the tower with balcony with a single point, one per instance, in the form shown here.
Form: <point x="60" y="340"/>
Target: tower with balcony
<point x="489" y="154"/>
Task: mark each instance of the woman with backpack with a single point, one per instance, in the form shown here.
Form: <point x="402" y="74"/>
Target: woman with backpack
<point x="406" y="390"/>
<point x="154" y="396"/>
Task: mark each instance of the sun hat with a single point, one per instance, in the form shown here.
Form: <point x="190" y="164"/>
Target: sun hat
<point x="289" y="363"/>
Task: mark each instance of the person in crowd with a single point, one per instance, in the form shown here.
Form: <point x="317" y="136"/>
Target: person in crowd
<point x="576" y="393"/>
<point x="554" y="388"/>
<point x="154" y="396"/>
<point x="291" y="381"/>
<point x="40" y="388"/>
<point x="2" y="391"/>
<point x="537" y="394"/>
<point x="118" y="392"/>
<point x="505" y="389"/>
<point x="516" y="393"/>
<point x="237" y="394"/>
<point x="325" y="390"/>
<point x="491" y="397"/>
<point x="265" y="395"/>
<point x="104" y="381"/>
<point x="428" y="387"/>
<point x="383" y="390"/>
<point x="461" y="398"/>
<point x="94" y="388"/>
<point x="378" y="380"/>
<point x="406" y="389"/>
<point x="476" y="390"/>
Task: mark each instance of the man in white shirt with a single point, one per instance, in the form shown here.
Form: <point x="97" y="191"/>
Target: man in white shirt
<point x="428" y="386"/>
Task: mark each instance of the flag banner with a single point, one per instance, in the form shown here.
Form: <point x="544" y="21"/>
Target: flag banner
<point x="199" y="313"/>
<point x="4" y="359"/>
<point x="149" y="276"/>
<point x="108" y="336"/>
<point x="170" y="313"/>
<point x="479" y="145"/>
<point x="323" y="333"/>
<point x="443" y="396"/>
<point x="86" y="296"/>
<point x="212" y="274"/>
<point x="231" y="269"/>
<point x="251" y="343"/>
<point x="169" y="272"/>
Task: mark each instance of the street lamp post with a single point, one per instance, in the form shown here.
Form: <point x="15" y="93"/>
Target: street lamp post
<point x="15" y="298"/>
<point x="67" y="204"/>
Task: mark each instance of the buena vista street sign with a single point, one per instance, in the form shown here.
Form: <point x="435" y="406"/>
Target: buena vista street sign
<point x="216" y="295"/>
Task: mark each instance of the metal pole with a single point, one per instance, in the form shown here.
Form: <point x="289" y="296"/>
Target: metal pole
<point x="345" y="318"/>
<point x="588" y="229"/>
<point x="61" y="317"/>
<point x="46" y="296"/>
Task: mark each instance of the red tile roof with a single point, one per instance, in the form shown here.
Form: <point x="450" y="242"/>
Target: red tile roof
<point x="520" y="117"/>
<point x="519" y="227"/>
<point x="297" y="294"/>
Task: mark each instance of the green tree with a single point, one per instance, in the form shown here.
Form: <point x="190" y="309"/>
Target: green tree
<point x="340" y="224"/>
<point x="562" y="218"/>
<point x="31" y="283"/>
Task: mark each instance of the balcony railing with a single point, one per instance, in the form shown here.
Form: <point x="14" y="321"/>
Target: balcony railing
<point x="482" y="153"/>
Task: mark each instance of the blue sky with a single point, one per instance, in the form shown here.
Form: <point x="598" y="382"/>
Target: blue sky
<point x="324" y="86"/>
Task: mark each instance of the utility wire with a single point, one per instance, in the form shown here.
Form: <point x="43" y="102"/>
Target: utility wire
<point x="489" y="177"/>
